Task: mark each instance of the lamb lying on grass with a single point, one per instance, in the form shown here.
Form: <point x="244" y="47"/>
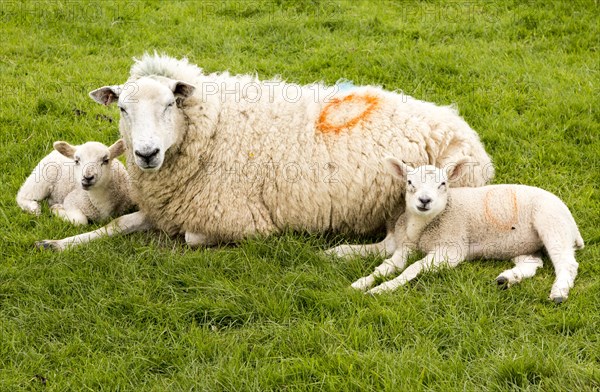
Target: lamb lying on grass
<point x="80" y="182"/>
<point x="456" y="224"/>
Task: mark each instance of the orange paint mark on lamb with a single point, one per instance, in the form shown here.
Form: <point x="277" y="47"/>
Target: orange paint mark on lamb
<point x="492" y="216"/>
<point x="324" y="125"/>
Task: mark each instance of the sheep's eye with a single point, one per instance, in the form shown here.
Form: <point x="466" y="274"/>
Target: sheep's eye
<point x="77" y="161"/>
<point x="409" y="182"/>
<point x="170" y="105"/>
<point x="105" y="161"/>
<point x="123" y="111"/>
<point x="442" y="184"/>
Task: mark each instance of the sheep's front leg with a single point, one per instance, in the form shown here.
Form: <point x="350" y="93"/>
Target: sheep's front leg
<point x="72" y="215"/>
<point x="388" y="267"/>
<point x="195" y="240"/>
<point x="430" y="261"/>
<point x="383" y="248"/>
<point x="525" y="267"/>
<point x="125" y="224"/>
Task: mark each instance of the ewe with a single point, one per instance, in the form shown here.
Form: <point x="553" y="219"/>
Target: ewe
<point x="80" y="182"/>
<point x="220" y="158"/>
<point x="456" y="224"/>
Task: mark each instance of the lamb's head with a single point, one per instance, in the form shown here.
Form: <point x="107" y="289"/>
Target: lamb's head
<point x="93" y="161"/>
<point x="426" y="186"/>
<point x="152" y="120"/>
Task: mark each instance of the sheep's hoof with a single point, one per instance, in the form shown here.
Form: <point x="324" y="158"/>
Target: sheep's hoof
<point x="44" y="245"/>
<point x="331" y="252"/>
<point x="559" y="300"/>
<point x="502" y="282"/>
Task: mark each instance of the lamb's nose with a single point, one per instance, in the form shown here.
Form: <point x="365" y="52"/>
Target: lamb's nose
<point x="89" y="178"/>
<point x="147" y="155"/>
<point x="425" y="200"/>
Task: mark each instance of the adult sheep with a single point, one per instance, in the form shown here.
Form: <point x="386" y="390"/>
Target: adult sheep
<point x="220" y="158"/>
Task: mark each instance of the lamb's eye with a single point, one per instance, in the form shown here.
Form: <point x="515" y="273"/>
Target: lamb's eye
<point x="409" y="182"/>
<point x="123" y="111"/>
<point x="105" y="161"/>
<point x="77" y="161"/>
<point x="442" y="184"/>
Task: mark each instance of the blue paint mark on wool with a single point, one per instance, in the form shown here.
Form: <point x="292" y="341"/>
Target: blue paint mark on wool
<point x="344" y="85"/>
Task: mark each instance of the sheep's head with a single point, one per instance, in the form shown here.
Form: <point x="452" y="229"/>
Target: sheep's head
<point x="426" y="186"/>
<point x="151" y="116"/>
<point x="92" y="161"/>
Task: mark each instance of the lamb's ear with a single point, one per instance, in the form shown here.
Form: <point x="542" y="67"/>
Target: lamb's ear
<point x="117" y="149"/>
<point x="454" y="171"/>
<point x="182" y="89"/>
<point x="396" y="167"/>
<point x="106" y="95"/>
<point x="65" y="149"/>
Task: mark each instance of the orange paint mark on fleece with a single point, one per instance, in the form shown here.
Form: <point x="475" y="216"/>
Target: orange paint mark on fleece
<point x="498" y="198"/>
<point x="370" y="103"/>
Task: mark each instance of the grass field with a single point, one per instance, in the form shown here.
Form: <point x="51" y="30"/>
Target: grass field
<point x="146" y="313"/>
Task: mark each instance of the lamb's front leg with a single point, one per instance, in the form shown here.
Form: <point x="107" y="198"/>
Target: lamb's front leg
<point x="383" y="248"/>
<point x="125" y="224"/>
<point x="72" y="215"/>
<point x="388" y="267"/>
<point x="430" y="261"/>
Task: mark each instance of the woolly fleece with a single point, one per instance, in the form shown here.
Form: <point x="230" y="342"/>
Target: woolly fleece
<point x="251" y="161"/>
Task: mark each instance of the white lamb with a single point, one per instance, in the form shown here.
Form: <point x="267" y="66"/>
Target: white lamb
<point x="455" y="224"/>
<point x="220" y="158"/>
<point x="81" y="183"/>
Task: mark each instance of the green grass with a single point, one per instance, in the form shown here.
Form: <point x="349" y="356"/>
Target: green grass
<point x="145" y="313"/>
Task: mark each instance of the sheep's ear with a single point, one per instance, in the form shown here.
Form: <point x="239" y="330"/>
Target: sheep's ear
<point x="65" y="149"/>
<point x="117" y="149"/>
<point x="182" y="89"/>
<point x="106" y="95"/>
<point x="396" y="167"/>
<point x="454" y="171"/>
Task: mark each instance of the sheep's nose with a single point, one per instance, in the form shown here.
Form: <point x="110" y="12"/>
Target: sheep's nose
<point x="147" y="155"/>
<point x="89" y="178"/>
<point x="425" y="200"/>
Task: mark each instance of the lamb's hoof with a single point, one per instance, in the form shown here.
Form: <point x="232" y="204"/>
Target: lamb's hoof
<point x="502" y="282"/>
<point x="341" y="251"/>
<point x="44" y="245"/>
<point x="377" y="291"/>
<point x="362" y="284"/>
<point x="559" y="300"/>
